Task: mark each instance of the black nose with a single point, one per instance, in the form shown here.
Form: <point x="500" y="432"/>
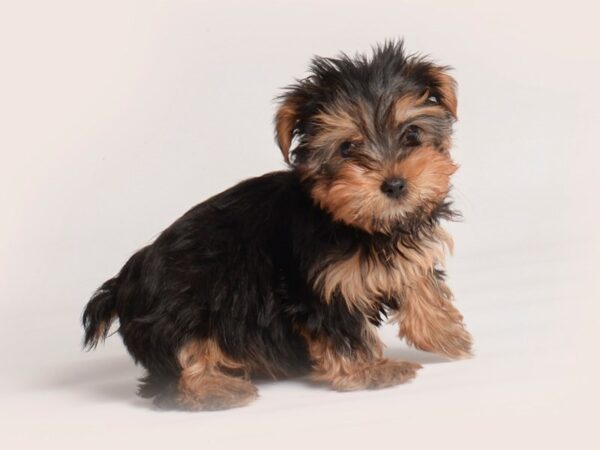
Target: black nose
<point x="393" y="187"/>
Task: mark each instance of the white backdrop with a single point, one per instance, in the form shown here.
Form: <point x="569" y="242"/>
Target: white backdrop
<point x="118" y="116"/>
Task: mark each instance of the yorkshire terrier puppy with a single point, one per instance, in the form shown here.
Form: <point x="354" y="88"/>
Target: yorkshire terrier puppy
<point x="291" y="272"/>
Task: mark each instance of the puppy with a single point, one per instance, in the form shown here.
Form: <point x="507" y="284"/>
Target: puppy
<point x="291" y="272"/>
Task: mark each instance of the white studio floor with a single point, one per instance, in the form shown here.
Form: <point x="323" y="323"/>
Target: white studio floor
<point x="110" y="136"/>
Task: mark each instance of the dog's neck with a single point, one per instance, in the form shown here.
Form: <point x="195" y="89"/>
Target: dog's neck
<point x="420" y="225"/>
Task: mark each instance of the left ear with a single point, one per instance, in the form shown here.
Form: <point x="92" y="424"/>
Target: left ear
<point x="286" y="122"/>
<point x="445" y="86"/>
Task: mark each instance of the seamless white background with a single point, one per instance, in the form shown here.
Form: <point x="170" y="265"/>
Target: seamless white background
<point x="118" y="116"/>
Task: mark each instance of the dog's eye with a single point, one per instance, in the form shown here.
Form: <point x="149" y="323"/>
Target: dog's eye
<point x="410" y="137"/>
<point x="433" y="99"/>
<point x="345" y="148"/>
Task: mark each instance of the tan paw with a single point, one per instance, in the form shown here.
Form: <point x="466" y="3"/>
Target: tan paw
<point x="376" y="375"/>
<point x="216" y="392"/>
<point x="453" y="341"/>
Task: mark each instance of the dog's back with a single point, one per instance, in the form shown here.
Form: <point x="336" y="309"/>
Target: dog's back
<point x="213" y="274"/>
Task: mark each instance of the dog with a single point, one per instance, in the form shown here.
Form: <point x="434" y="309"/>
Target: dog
<point x="290" y="273"/>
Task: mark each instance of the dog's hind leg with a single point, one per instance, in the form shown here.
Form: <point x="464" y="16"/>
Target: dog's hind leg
<point x="210" y="380"/>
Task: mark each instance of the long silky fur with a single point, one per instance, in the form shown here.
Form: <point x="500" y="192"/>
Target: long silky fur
<point x="238" y="268"/>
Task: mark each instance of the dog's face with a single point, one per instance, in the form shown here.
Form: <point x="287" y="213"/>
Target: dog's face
<point x="373" y="137"/>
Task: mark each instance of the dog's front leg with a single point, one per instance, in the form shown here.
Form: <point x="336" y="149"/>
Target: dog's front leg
<point x="428" y="319"/>
<point x="361" y="368"/>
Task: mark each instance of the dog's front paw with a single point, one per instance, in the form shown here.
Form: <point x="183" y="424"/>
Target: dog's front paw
<point x="451" y="340"/>
<point x="376" y="375"/>
<point x="457" y="343"/>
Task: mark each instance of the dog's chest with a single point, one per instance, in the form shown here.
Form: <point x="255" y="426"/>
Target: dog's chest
<point x="362" y="279"/>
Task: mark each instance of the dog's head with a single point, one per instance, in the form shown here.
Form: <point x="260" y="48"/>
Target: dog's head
<point x="371" y="136"/>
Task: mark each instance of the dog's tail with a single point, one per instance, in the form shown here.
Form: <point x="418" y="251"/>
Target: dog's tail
<point x="99" y="313"/>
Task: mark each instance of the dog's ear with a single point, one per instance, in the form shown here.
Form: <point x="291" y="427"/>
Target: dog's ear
<point x="444" y="87"/>
<point x="286" y="122"/>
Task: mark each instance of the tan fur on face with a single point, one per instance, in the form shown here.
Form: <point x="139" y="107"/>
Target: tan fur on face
<point x="337" y="124"/>
<point x="359" y="371"/>
<point x="204" y="385"/>
<point x="408" y="107"/>
<point x="429" y="321"/>
<point x="354" y="196"/>
<point x="363" y="281"/>
<point x="427" y="173"/>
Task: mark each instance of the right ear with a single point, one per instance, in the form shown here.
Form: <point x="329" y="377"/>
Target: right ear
<point x="286" y="123"/>
<point x="445" y="85"/>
